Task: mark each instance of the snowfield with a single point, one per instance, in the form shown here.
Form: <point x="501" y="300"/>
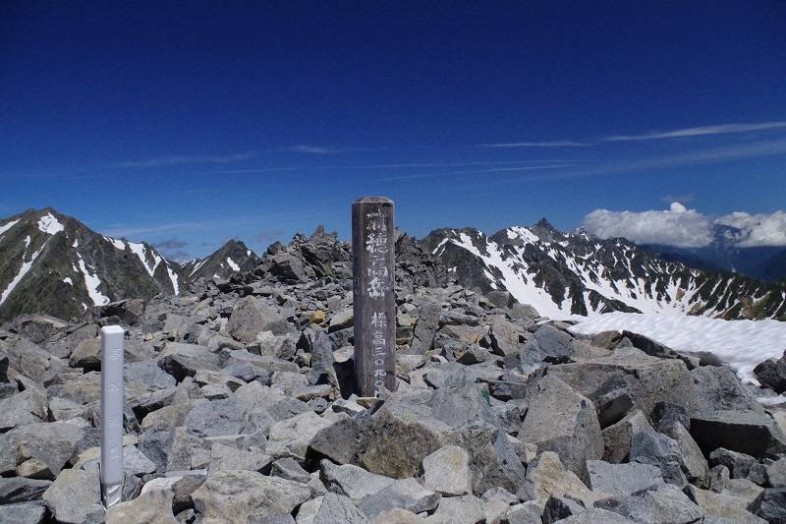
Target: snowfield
<point x="740" y="343"/>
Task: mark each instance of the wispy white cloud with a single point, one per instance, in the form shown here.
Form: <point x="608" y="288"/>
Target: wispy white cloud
<point x="722" y="129"/>
<point x="554" y="143"/>
<point x="314" y="150"/>
<point x="183" y="160"/>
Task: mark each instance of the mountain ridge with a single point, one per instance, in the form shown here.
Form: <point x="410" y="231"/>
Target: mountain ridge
<point x="54" y="264"/>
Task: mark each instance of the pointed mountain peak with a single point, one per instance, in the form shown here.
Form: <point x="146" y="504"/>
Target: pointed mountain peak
<point x="545" y="224"/>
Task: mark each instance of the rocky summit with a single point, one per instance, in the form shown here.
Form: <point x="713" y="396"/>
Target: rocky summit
<point x="239" y="407"/>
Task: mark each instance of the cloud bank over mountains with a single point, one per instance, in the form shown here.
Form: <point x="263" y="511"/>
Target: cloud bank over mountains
<point x="687" y="228"/>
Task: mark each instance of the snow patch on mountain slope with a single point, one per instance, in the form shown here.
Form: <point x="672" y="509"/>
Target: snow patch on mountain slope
<point x="173" y="278"/>
<point x="522" y="288"/>
<point x="142" y="253"/>
<point x="8" y="226"/>
<point x="232" y="264"/>
<point x="50" y="224"/>
<point x="119" y="244"/>
<point x="27" y="265"/>
<point x="92" y="282"/>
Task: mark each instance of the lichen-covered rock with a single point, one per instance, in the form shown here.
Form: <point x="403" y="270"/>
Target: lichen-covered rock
<point x="240" y="496"/>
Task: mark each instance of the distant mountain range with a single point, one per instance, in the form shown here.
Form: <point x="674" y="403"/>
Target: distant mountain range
<point x="729" y="252"/>
<point x="54" y="264"/>
<point x="564" y="274"/>
<point x="51" y="263"/>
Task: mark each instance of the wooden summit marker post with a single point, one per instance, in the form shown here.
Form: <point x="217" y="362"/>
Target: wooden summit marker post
<point x="374" y="295"/>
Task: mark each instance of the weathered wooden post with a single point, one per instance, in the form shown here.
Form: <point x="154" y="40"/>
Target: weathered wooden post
<point x="111" y="466"/>
<point x="374" y="295"/>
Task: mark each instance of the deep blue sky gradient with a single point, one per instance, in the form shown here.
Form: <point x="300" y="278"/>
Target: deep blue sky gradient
<point x="188" y="123"/>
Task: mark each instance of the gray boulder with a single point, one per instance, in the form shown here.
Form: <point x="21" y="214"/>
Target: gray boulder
<point x="240" y="496"/>
<point x="24" y="513"/>
<point x="20" y="489"/>
<point x="153" y="506"/>
<point x="405" y="494"/>
<point x="447" y="471"/>
<point x="745" y="431"/>
<point x="561" y="420"/>
<point x="251" y="316"/>
<point x="75" y="497"/>
<point x="649" y="379"/>
<point x="338" y="508"/>
<point x="664" y="505"/>
<point x="622" y="480"/>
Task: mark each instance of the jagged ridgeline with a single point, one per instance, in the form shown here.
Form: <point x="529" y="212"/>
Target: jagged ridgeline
<point x="575" y="273"/>
<point x="53" y="264"/>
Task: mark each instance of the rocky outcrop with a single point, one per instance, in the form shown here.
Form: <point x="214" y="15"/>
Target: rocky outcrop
<point x="240" y="408"/>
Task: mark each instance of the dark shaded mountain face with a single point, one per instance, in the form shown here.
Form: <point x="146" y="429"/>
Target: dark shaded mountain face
<point x="54" y="264"/>
<point x="727" y="252"/>
<point x="233" y="257"/>
<point x="563" y="274"/>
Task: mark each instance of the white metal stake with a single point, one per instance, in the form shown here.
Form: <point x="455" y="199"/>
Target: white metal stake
<point x="111" y="415"/>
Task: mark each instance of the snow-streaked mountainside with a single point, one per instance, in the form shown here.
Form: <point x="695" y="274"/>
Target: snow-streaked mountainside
<point x="232" y="257"/>
<point x="577" y="274"/>
<point x="54" y="264"/>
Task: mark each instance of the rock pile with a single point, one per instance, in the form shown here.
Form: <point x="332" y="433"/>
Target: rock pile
<point x="239" y="408"/>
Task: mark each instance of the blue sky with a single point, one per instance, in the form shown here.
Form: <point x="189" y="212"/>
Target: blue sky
<point x="186" y="124"/>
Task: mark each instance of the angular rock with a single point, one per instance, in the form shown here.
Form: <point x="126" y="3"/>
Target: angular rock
<point x="665" y="505"/>
<point x="406" y="494"/>
<point x="251" y="316"/>
<point x="547" y="477"/>
<point x="649" y="380"/>
<point x="49" y="445"/>
<point x="771" y="505"/>
<point x="693" y="463"/>
<point x="224" y="456"/>
<point x="776" y="473"/>
<point x="622" y="480"/>
<point x="739" y="464"/>
<point x="467" y="509"/>
<point x="216" y="418"/>
<point x="744" y="431"/>
<point x="561" y="420"/>
<point x="291" y="437"/>
<point x="24" y="513"/>
<point x="19" y="489"/>
<point x="27" y="407"/>
<point x="153" y="506"/>
<point x="661" y="451"/>
<point x="720" y="508"/>
<point x="720" y="389"/>
<point x="338" y="508"/>
<point x="87" y="355"/>
<point x="239" y="496"/>
<point x="772" y="374"/>
<point x="426" y="327"/>
<point x="618" y="437"/>
<point x="75" y="496"/>
<point x="447" y="471"/>
<point x="597" y="516"/>
<point x="352" y="481"/>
